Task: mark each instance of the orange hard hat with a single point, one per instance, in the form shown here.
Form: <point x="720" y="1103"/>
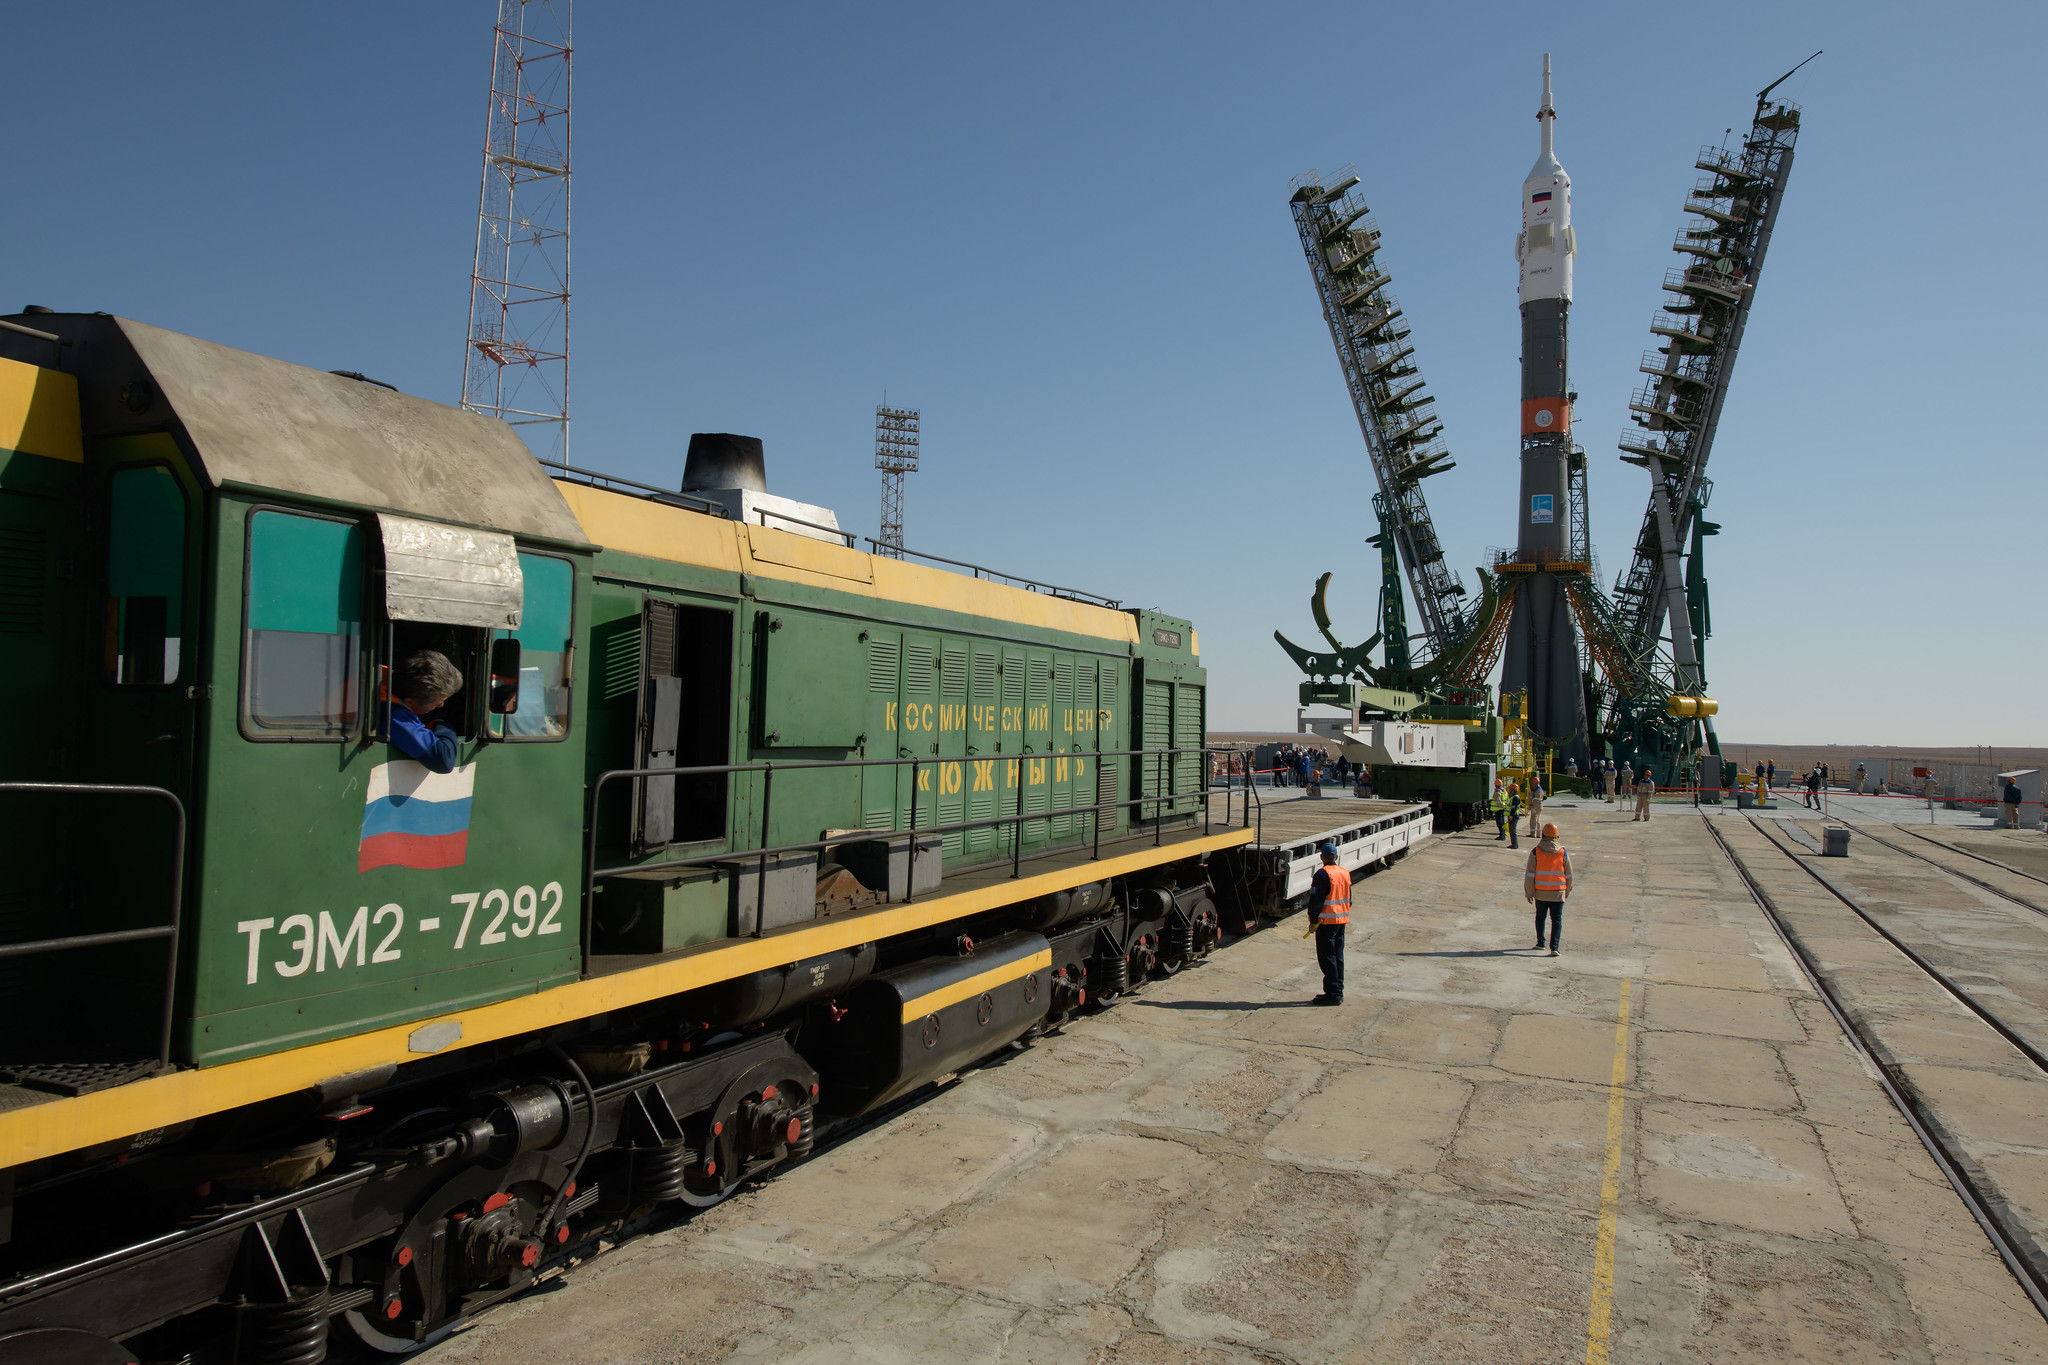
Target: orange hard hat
<point x="1549" y="830"/>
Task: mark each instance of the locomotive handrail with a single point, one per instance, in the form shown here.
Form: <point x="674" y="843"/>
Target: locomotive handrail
<point x="1072" y="594"/>
<point x="913" y="833"/>
<point x="689" y="502"/>
<point x="766" y="512"/>
<point x="163" y="931"/>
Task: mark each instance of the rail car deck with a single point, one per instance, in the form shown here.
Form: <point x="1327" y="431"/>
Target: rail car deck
<point x="1285" y="835"/>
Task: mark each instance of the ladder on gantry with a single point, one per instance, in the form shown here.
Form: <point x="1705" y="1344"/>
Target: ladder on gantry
<point x="1403" y="434"/>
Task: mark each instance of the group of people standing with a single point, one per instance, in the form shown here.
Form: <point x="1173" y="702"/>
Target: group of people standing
<point x="1611" y="781"/>
<point x="1301" y="765"/>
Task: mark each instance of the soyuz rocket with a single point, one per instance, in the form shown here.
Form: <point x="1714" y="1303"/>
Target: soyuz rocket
<point x="1542" y="657"/>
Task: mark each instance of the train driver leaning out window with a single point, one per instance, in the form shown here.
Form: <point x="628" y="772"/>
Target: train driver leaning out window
<point x="419" y="684"/>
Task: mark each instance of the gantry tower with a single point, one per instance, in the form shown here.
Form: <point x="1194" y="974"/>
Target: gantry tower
<point x="516" y="364"/>
<point x="896" y="432"/>
<point x="1403" y="434"/>
<point x="1678" y="407"/>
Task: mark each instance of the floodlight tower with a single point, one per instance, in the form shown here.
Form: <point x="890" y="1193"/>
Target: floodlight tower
<point x="516" y="365"/>
<point x="896" y="432"/>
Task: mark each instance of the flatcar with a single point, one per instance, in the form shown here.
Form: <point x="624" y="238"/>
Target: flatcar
<point x="748" y="834"/>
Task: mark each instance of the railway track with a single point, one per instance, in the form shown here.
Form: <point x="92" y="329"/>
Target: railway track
<point x="2011" y="1240"/>
<point x="1953" y="871"/>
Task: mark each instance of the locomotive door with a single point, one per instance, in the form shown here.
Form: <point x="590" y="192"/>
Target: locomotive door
<point x="918" y="735"/>
<point x="1062" y="828"/>
<point x="1038" y="686"/>
<point x="880" y="787"/>
<point x="949" y="779"/>
<point x="1081" y="741"/>
<point x="141" y="730"/>
<point x="984" y="734"/>
<point x="1010" y="743"/>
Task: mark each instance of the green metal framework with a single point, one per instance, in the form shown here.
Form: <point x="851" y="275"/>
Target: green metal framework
<point x="1403" y="434"/>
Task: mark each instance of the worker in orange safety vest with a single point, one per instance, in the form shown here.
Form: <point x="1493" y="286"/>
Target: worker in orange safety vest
<point x="1546" y="881"/>
<point x="1329" y="911"/>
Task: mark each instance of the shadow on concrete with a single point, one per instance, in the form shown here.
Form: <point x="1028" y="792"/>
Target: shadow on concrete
<point x="1223" y="1004"/>
<point x="1471" y="952"/>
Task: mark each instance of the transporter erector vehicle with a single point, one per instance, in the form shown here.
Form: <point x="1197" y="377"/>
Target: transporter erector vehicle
<point x="749" y="833"/>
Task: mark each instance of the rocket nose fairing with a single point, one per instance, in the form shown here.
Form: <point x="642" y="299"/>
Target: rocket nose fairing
<point x="1544" y="246"/>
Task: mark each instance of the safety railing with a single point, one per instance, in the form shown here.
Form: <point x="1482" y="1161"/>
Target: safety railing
<point x="168" y="932"/>
<point x="1166" y="772"/>
<point x="997" y="576"/>
<point x="766" y="512"/>
<point x="591" y="478"/>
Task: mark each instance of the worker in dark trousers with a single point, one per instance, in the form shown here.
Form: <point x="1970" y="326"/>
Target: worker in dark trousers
<point x="1329" y="911"/>
<point x="1498" y="804"/>
<point x="1514" y="811"/>
<point x="1546" y="881"/>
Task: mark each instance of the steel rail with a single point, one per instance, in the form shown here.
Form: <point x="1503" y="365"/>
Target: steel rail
<point x="1956" y="848"/>
<point x="2035" y="1287"/>
<point x="1970" y="1002"/>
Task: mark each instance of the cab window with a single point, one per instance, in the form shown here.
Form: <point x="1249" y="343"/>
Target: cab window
<point x="303" y="648"/>
<point x="145" y="577"/>
<point x="544" y="635"/>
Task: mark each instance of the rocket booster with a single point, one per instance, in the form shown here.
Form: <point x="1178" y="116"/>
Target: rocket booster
<point x="1542" y="653"/>
<point x="1544" y="249"/>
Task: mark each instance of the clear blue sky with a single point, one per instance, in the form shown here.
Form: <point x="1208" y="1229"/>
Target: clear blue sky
<point x="1062" y="231"/>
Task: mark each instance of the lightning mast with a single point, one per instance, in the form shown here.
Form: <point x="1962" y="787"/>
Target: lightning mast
<point x="516" y="364"/>
<point x="896" y="431"/>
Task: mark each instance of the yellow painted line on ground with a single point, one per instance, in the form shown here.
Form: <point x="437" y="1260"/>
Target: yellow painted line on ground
<point x="937" y="1000"/>
<point x="65" y="1125"/>
<point x="1610" y="1197"/>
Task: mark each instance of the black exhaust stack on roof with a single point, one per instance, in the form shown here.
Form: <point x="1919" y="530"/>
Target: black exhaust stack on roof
<point x="720" y="460"/>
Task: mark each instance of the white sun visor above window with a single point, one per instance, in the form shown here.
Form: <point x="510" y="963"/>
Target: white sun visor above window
<point x="449" y="575"/>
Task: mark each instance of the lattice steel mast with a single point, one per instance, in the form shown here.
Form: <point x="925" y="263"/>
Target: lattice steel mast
<point x="516" y="365"/>
<point x="896" y="433"/>
<point x="1678" y="408"/>
<point x="1403" y="435"/>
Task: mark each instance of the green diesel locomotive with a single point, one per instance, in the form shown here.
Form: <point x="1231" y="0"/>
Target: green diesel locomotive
<point x="747" y="833"/>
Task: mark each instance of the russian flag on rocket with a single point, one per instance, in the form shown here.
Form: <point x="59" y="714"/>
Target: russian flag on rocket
<point x="415" y="818"/>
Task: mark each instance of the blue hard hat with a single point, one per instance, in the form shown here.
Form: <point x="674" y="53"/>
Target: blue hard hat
<point x="1327" y="849"/>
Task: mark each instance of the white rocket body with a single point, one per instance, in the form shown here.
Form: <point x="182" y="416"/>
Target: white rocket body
<point x="1545" y="245"/>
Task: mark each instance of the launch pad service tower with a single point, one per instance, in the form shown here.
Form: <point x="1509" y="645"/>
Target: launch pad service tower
<point x="1542" y="658"/>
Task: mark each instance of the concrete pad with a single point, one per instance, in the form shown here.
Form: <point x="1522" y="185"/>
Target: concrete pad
<point x="1151" y="1184"/>
<point x="1740" y="1014"/>
<point x="1710" y="1070"/>
<point x="1751" y="1171"/>
<point x="1442" y="1035"/>
<point x="1709" y="969"/>
<point x="1526" y="1139"/>
<point x="884" y="1183"/>
<point x="1071" y="1230"/>
<point x="1379" y="1120"/>
<point x="1960" y="1040"/>
<point x="1709" y="937"/>
<point x="1559" y="1047"/>
<point x="2007" y="1110"/>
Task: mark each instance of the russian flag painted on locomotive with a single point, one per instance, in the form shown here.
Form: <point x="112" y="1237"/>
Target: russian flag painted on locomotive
<point x="413" y="817"/>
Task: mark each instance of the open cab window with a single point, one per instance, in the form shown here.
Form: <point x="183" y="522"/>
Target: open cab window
<point x="544" y="634"/>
